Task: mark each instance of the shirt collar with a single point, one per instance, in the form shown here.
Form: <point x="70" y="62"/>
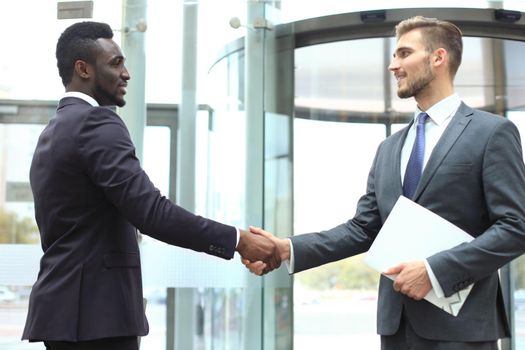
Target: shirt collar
<point x="442" y="110"/>
<point x="82" y="96"/>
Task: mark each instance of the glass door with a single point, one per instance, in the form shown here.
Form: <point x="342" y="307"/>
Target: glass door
<point x="345" y="105"/>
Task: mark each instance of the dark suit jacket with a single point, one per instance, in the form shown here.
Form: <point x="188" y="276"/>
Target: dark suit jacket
<point x="475" y="178"/>
<point x="90" y="195"/>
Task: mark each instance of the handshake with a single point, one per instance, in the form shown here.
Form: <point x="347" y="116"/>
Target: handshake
<point x="262" y="252"/>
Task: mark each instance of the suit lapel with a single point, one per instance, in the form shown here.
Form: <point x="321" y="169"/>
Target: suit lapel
<point x="458" y="123"/>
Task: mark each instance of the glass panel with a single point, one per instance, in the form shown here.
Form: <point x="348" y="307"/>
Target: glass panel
<point x="226" y="163"/>
<point x="514" y="56"/>
<point x="163" y="36"/>
<point x="156" y="153"/>
<point x="336" y="303"/>
<point x="221" y="306"/>
<point x="340" y="76"/>
<point x="156" y="163"/>
<point x="278" y="307"/>
<point x="518" y="265"/>
<point x="19" y="238"/>
<point x="278" y="87"/>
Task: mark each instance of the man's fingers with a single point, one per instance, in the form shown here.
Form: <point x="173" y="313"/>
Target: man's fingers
<point x="411" y="280"/>
<point x="274" y="262"/>
<point x="394" y="270"/>
<point x="258" y="268"/>
<point x="260" y="231"/>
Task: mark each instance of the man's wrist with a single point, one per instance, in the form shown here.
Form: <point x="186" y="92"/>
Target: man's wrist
<point x="438" y="290"/>
<point x="240" y="241"/>
<point x="284" y="249"/>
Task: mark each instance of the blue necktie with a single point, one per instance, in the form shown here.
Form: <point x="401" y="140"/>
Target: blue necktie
<point x="415" y="162"/>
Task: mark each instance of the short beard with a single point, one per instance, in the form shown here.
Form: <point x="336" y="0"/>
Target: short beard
<point x="104" y="98"/>
<point x="418" y="85"/>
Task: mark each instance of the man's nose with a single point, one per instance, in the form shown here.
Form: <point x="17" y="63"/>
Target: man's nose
<point x="125" y="74"/>
<point x="393" y="65"/>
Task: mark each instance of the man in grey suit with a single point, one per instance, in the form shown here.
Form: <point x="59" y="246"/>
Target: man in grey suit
<point x="463" y="164"/>
<point x="91" y="195"/>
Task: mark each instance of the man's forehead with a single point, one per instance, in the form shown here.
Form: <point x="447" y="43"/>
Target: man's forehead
<point x="109" y="46"/>
<point x="410" y="40"/>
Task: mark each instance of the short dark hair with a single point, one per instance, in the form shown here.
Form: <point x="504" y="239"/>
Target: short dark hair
<point x="77" y="42"/>
<point x="436" y="34"/>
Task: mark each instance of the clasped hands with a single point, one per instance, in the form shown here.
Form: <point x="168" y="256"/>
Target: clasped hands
<point x="262" y="252"/>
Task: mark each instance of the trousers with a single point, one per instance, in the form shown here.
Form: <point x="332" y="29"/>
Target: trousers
<point x="119" y="343"/>
<point x="406" y="339"/>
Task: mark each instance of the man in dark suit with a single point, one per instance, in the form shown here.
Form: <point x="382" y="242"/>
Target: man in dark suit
<point x="90" y="195"/>
<point x="463" y="164"/>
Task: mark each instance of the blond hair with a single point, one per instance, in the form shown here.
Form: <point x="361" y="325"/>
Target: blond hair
<point x="436" y="34"/>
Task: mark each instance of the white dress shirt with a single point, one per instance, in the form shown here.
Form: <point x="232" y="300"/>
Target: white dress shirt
<point x="440" y="115"/>
<point x="82" y="96"/>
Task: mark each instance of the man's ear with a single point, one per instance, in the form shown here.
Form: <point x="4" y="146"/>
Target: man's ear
<point x="82" y="69"/>
<point x="439" y="56"/>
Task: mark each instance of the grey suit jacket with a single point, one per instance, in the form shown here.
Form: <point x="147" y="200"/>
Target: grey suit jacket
<point x="90" y="196"/>
<point x="475" y="178"/>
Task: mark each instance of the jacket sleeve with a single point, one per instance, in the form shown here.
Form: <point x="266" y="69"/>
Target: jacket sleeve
<point x="108" y="155"/>
<point x="503" y="182"/>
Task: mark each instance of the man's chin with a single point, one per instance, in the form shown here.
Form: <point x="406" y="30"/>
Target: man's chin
<point x="404" y="94"/>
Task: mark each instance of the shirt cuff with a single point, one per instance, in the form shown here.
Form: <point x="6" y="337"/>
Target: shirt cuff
<point x="435" y="284"/>
<point x="290" y="265"/>
<point x="238" y="237"/>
